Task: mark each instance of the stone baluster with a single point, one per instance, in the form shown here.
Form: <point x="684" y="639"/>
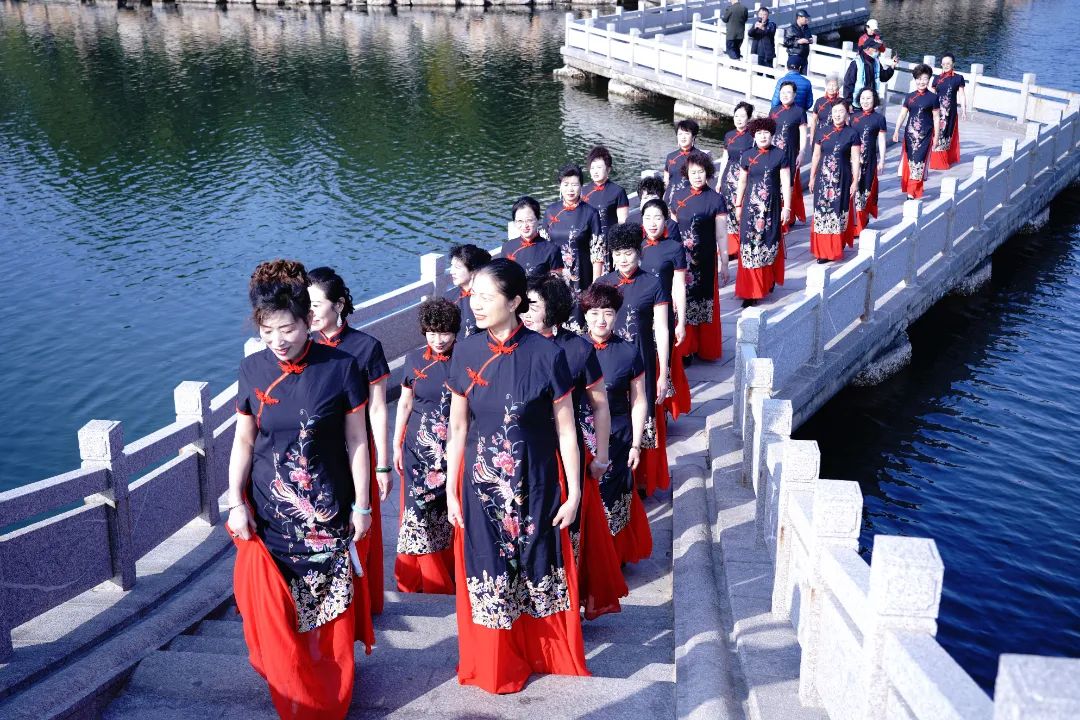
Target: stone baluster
<point x="569" y="22"/>
<point x="977" y="70"/>
<point x="869" y="241"/>
<point x="610" y="31"/>
<point x="658" y="43"/>
<point x="1008" y="153"/>
<point x="980" y="168"/>
<point x="759" y="387"/>
<point x="948" y="193"/>
<point x="905" y="593"/>
<point x="101" y="446"/>
<point x="1025" y="94"/>
<point x="817" y="278"/>
<point x="1042" y="688"/>
<point x="1032" y="132"/>
<point x="192" y="402"/>
<point x="800" y="463"/>
<point x="775" y="428"/>
<point x="745" y="349"/>
<point x="913" y="211"/>
<point x="685" y="59"/>
<point x="837" y="519"/>
<point x="431" y="265"/>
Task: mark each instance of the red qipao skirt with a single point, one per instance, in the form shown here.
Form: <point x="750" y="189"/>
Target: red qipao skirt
<point x="429" y="573"/>
<point x="634" y="542"/>
<point x="370" y="549"/>
<point x="652" y="472"/>
<point x="756" y="283"/>
<point x="907" y="185"/>
<point x="830" y="246"/>
<point x="944" y="159"/>
<point x="600" y="579"/>
<point x="500" y="661"/>
<point x="798" y="207"/>
<point x="862" y="217"/>
<point x="310" y="674"/>
<point x="679" y="402"/>
<point x="705" y="339"/>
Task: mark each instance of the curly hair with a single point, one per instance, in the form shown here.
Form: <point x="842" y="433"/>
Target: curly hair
<point x="599" y="153"/>
<point x="689" y="125"/>
<point x="439" y="315"/>
<point x="922" y="69"/>
<point x="335" y="289"/>
<point x="702" y="160"/>
<point x="279" y="285"/>
<point x="762" y="123"/>
<point x="651" y="185"/>
<point x="558" y="302"/>
<point x="600" y="297"/>
<point x="624" y="236"/>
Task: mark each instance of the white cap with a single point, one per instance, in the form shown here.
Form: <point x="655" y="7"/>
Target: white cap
<point x="871" y="23"/>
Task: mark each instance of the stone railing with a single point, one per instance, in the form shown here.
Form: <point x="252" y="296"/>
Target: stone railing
<point x="851" y="310"/>
<point x="867" y="632"/>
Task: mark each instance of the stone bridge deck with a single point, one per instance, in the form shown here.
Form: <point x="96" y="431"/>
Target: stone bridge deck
<point x="698" y="610"/>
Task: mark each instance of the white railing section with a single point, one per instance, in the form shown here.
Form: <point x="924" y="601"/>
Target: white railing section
<point x="867" y="632"/>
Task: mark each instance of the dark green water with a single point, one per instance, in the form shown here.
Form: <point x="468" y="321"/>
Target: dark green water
<point x="149" y="158"/>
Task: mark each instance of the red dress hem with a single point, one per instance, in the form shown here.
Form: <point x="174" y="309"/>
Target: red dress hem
<point x="757" y="283"/>
<point x="600" y="579"/>
<point x="652" y="472"/>
<point x="431" y="573"/>
<point x="634" y="542"/>
<point x="944" y="159"/>
<point x="907" y="185"/>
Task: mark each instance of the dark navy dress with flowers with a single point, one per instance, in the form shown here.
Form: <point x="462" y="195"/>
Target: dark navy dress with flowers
<point x="510" y="490"/>
<point x="576" y="231"/>
<point x="538" y="256"/>
<point x="736" y="142"/>
<point x="918" y="136"/>
<point x="760" y="230"/>
<point x="696" y="213"/>
<point x="585" y="372"/>
<point x="468" y="321"/>
<point x="424" y="524"/>
<point x="621" y="364"/>
<point x="365" y="348"/>
<point x="608" y="199"/>
<point x="663" y="258"/>
<point x="947" y="86"/>
<point x="301" y="483"/>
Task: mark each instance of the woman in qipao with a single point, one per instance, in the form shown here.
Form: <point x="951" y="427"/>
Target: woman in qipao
<point x="834" y="181"/>
<point x="465" y="261"/>
<point x="871" y="126"/>
<point x="949" y="86"/>
<point x="513" y="493"/>
<point x="600" y="581"/>
<point x="425" y="548"/>
<point x="624" y="380"/>
<point x="298" y="498"/>
<point x="736" y="142"/>
<point x="920" y="117"/>
<point x="331" y="305"/>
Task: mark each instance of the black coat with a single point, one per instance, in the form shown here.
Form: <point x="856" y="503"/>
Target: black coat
<point x="792" y="34"/>
<point x="762" y="42"/>
<point x="735" y="18"/>
<point x="852" y="75"/>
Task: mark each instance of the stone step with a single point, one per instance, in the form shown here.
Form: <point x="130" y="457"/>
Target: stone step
<point x="167" y="682"/>
<point x="208" y="645"/>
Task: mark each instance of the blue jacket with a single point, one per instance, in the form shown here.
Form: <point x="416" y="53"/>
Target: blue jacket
<point x="804" y="91"/>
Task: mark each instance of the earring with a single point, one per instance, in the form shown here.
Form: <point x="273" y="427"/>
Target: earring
<point x="339" y="319"/>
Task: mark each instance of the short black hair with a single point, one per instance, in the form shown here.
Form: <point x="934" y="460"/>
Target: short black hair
<point x="471" y="256"/>
<point x="877" y="98"/>
<point x="624" y="236"/>
<point x="922" y="69"/>
<point x="651" y="185"/>
<point x="790" y="84"/>
<point x="949" y="55"/>
<point x="701" y="159"/>
<point x="510" y="280"/>
<point x="689" y="125"/>
<point x="747" y="107"/>
<point x="569" y="170"/>
<point x="558" y="302"/>
<point x="599" y="296"/>
<point x="525" y="201"/>
<point x="659" y="204"/>
<point x="439" y="315"/>
<point x="599" y="153"/>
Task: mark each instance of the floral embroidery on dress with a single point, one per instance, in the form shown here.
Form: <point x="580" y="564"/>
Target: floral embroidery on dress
<point x="618" y="515"/>
<point x="698" y="312"/>
<point x="498" y="601"/>
<point x="321" y="597"/>
<point x="916" y="137"/>
<point x="753" y="251"/>
<point x="424" y="532"/>
<point x="648" y="433"/>
<point x="826" y="220"/>
<point x="945" y="137"/>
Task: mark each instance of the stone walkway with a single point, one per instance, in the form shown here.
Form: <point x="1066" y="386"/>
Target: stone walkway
<point x="705" y="527"/>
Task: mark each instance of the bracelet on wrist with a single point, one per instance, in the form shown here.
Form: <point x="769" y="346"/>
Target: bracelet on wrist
<point x="230" y="508"/>
<point x="360" y="510"/>
<point x="383" y="468"/>
<point x="635" y="447"/>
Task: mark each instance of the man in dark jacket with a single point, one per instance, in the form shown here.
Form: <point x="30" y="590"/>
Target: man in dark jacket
<point x="734" y="18"/>
<point x="866" y="70"/>
<point x="797" y="38"/>
<point x="762" y="37"/>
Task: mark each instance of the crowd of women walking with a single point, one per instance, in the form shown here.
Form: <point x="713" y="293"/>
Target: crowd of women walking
<point x="532" y="421"/>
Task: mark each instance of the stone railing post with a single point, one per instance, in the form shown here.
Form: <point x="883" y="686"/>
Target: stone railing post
<point x="1025" y="95"/>
<point x="905" y="593"/>
<point x="192" y="402"/>
<point x="1032" y="131"/>
<point x="800" y="464"/>
<point x="1029" y="686"/>
<point x="746" y="341"/>
<point x="429" y="272"/>
<point x="610" y="31"/>
<point x="759" y="387"/>
<point x="869" y="241"/>
<point x="658" y="43"/>
<point x="569" y="21"/>
<point x="948" y="193"/>
<point x="817" y="278"/>
<point x="913" y="211"/>
<point x="977" y="70"/>
<point x="101" y="446"/>
<point x="685" y="59"/>
<point x="634" y="35"/>
<point x="980" y="168"/>
<point x="1008" y="153"/>
<point x="776" y="419"/>
<point x="836" y="524"/>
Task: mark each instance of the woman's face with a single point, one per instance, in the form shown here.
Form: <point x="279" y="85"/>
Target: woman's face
<point x="787" y="95"/>
<point x="626" y="261"/>
<point x="534" y="316"/>
<point x="284" y="334"/>
<point x="741" y="118"/>
<point x="685" y="139"/>
<point x="839" y="114"/>
<point x="526" y="222"/>
<point x="490" y="308"/>
<point x="440" y="342"/>
<point x="324" y="314"/>
<point x="459" y="274"/>
<point x="599" y="171"/>
<point x="653" y="221"/>
<point x="832" y="87"/>
<point x="600" y="322"/>
<point x="922" y="81"/>
<point x="696" y="175"/>
<point x="570" y="189"/>
<point x="763" y="138"/>
<point x="946" y="64"/>
<point x="866" y="101"/>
